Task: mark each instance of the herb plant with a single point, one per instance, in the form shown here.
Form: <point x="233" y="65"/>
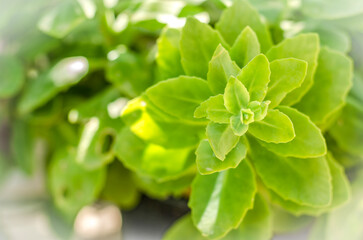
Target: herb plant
<point x="249" y="122"/>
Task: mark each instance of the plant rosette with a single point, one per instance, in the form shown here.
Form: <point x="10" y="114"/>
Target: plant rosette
<point x="246" y="116"/>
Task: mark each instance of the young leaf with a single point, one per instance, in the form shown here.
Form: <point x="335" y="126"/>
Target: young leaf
<point x="256" y="76"/>
<point x="197" y="45"/>
<point x="237" y="126"/>
<point x="221" y="68"/>
<point x="246" y="47"/>
<point x="286" y="75"/>
<point x="235" y="96"/>
<point x="207" y="162"/>
<point x="180" y="96"/>
<point x="304" y="47"/>
<point x="304" y="181"/>
<point x="333" y="80"/>
<point x="221" y="139"/>
<point x="168" y="56"/>
<point x="240" y="15"/>
<point x="276" y="127"/>
<point x="309" y="141"/>
<point x="214" y="211"/>
<point x="341" y="193"/>
<point x="216" y="111"/>
<point x="11" y="76"/>
<point x="257" y="225"/>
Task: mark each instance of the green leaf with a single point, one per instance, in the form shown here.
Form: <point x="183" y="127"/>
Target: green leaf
<point x="129" y="73"/>
<point x="71" y="186"/>
<point x="304" y="181"/>
<point x="11" y="76"/>
<point x="333" y="9"/>
<point x="240" y="15"/>
<point x="237" y="126"/>
<point x="67" y="72"/>
<point x="348" y="130"/>
<point x="256" y="76"/>
<point x="285" y="222"/>
<point x="120" y="187"/>
<point x="153" y="126"/>
<point x="95" y="147"/>
<point x="341" y="193"/>
<point x="334" y="38"/>
<point x="168" y="56"/>
<point x="256" y="225"/>
<point x="221" y="139"/>
<point x="236" y="96"/>
<point x="163" y="190"/>
<point x="62" y="19"/>
<point x="304" y="47"/>
<point x="213" y="108"/>
<point x="214" y="211"/>
<point x="246" y="47"/>
<point x="221" y="68"/>
<point x="333" y="80"/>
<point x="180" y="96"/>
<point x="208" y="163"/>
<point x="286" y="75"/>
<point x="152" y="160"/>
<point x="345" y="221"/>
<point x="197" y="45"/>
<point x="23" y="146"/>
<point x="309" y="141"/>
<point x="276" y="127"/>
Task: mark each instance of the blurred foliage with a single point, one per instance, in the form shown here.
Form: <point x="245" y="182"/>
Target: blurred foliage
<point x="69" y="67"/>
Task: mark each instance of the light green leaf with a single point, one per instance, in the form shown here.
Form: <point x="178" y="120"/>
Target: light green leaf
<point x="207" y="162"/>
<point x="120" y="187"/>
<point x="334" y="38"/>
<point x="180" y="96"/>
<point x="183" y="229"/>
<point x="214" y="211"/>
<point x="256" y="225"/>
<point x="276" y="127"/>
<point x="11" y="76"/>
<point x="286" y="75"/>
<point x="246" y="47"/>
<point x="152" y="125"/>
<point x="304" y="181"/>
<point x="235" y="96"/>
<point x="221" y="68"/>
<point x="197" y="45"/>
<point x="237" y="126"/>
<point x="152" y="160"/>
<point x="341" y="193"/>
<point x="62" y="19"/>
<point x="214" y="109"/>
<point x="285" y="222"/>
<point x="71" y="186"/>
<point x="304" y="47"/>
<point x="333" y="80"/>
<point x="343" y="222"/>
<point x="163" y="190"/>
<point x="333" y="9"/>
<point x="221" y="139"/>
<point x="309" y="141"/>
<point x="256" y="76"/>
<point x="240" y="15"/>
<point x="67" y="72"/>
<point x="168" y="56"/>
<point x="348" y="130"/>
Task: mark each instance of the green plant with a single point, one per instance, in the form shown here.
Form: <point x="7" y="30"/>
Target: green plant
<point x="251" y="126"/>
